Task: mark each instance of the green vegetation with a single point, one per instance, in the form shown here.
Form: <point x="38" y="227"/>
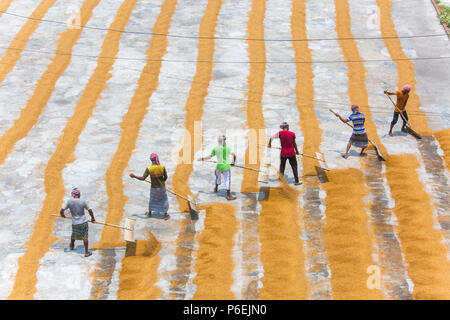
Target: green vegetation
<point x="444" y="15"/>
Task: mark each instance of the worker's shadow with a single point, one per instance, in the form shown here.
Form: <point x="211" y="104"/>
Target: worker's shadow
<point x="356" y="154"/>
<point x="158" y="215"/>
<point x="145" y="217"/>
<point x="289" y="180"/>
<point x="78" y="249"/>
<point x="221" y="193"/>
<point x="396" y="134"/>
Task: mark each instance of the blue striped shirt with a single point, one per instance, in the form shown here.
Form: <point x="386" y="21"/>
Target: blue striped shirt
<point x="358" y="122"/>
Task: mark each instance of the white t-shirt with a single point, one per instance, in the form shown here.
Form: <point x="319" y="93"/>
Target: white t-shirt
<point x="76" y="207"/>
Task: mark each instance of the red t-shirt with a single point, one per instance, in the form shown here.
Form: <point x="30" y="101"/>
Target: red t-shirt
<point x="287" y="143"/>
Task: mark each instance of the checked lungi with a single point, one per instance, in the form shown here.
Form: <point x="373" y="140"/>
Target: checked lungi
<point x="359" y="140"/>
<point x="80" y="231"/>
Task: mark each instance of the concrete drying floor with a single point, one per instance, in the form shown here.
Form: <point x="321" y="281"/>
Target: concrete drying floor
<point x="85" y="107"/>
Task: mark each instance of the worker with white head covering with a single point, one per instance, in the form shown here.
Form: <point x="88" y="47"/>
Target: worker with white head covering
<point x="223" y="168"/>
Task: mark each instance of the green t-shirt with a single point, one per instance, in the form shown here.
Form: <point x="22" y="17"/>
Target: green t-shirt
<point x="223" y="154"/>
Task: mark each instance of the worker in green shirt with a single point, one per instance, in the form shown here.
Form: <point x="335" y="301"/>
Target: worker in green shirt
<point x="222" y="152"/>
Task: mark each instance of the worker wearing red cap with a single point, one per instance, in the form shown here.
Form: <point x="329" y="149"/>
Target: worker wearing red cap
<point x="288" y="149"/>
<point x="402" y="99"/>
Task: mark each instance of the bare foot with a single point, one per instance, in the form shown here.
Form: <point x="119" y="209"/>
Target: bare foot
<point x="148" y="214"/>
<point x="166" y="217"/>
<point x="216" y="190"/>
<point x="231" y="198"/>
<point x="390" y="133"/>
<point x="88" y="254"/>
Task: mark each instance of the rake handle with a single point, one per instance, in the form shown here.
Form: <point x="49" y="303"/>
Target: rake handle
<point x="336" y="114"/>
<point x="301" y="154"/>
<point x="238" y="166"/>
<point x="174" y="193"/>
<point x="96" y="222"/>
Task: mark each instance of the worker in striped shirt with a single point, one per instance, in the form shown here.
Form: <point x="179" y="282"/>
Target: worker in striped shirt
<point x="359" y="137"/>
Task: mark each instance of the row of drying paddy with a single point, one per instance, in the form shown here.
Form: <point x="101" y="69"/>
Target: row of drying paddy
<point x="413" y="207"/>
<point x="145" y="111"/>
<point x="39" y="100"/>
<point x="396" y="283"/>
<point x="312" y="199"/>
<point x="89" y="153"/>
<point x="223" y="267"/>
<point x="182" y="277"/>
<point x="166" y="114"/>
<point x="295" y="253"/>
<point x="29" y="155"/>
<point x="212" y="267"/>
<point x="357" y="247"/>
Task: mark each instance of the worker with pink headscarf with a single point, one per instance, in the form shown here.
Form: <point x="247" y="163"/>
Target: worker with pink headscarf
<point x="159" y="201"/>
<point x="400" y="106"/>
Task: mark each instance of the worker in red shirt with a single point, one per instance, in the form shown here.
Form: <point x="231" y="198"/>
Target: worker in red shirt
<point x="288" y="149"/>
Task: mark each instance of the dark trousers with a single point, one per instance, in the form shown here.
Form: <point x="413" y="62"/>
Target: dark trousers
<point x="395" y="119"/>
<point x="292" y="162"/>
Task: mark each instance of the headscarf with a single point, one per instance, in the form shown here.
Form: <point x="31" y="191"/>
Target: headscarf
<point x="154" y="157"/>
<point x="222" y="140"/>
<point x="283" y="125"/>
<point x="75" y="192"/>
<point x="406" y="88"/>
<point x="354" y="107"/>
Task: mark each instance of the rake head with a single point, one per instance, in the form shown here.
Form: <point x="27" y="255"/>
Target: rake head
<point x="192" y="203"/>
<point x="264" y="174"/>
<point x="322" y="161"/>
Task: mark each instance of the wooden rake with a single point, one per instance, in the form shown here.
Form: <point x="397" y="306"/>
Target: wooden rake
<point x="379" y="155"/>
